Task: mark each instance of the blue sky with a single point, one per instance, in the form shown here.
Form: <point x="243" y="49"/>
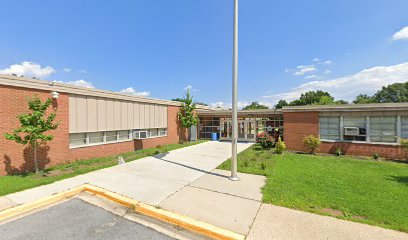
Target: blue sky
<point x="159" y="47"/>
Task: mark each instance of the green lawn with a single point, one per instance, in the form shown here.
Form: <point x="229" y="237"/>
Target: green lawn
<point x="10" y="184"/>
<point x="365" y="191"/>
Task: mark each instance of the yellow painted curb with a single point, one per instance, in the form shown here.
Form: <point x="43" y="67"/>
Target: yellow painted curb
<point x="24" y="208"/>
<point x="160" y="214"/>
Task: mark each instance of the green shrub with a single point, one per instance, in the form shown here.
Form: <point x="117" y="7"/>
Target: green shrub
<point x="376" y="156"/>
<point x="265" y="140"/>
<point x="339" y="152"/>
<point x="311" y="143"/>
<point x="404" y="145"/>
<point x="280" y="146"/>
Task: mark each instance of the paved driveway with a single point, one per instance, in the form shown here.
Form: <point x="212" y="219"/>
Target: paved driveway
<point x="151" y="179"/>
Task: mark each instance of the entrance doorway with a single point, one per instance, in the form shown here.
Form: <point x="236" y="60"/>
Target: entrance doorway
<point x="246" y="130"/>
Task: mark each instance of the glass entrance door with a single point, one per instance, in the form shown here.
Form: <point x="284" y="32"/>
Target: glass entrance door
<point x="246" y="130"/>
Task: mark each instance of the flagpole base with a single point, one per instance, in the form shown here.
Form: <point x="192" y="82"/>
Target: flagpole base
<point x="234" y="178"/>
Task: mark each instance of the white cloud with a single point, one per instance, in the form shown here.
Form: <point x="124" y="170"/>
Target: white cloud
<point x="327" y="72"/>
<point x="401" y="34"/>
<point x="302" y="70"/>
<point x="221" y="105"/>
<point x="311" y="77"/>
<point x="241" y="104"/>
<point x="189" y="87"/>
<point x="67" y="70"/>
<point x="367" y="81"/>
<point x="328" y="62"/>
<point x="29" y="69"/>
<point x="132" y="91"/>
<point x="79" y="83"/>
<point x="316" y="60"/>
<point x="83" y="71"/>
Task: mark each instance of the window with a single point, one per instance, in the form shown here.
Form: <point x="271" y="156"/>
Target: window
<point x="207" y="126"/>
<point x="330" y="128"/>
<point x="77" y="139"/>
<point x="383" y="129"/>
<point x="163" y="132"/>
<point x="111" y="136"/>
<point x="124" y="135"/>
<point x="357" y="123"/>
<point x="404" y="127"/>
<point x="154" y="132"/>
<point x="96" y="137"/>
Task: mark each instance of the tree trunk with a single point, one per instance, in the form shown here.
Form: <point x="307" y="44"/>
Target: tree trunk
<point x="35" y="158"/>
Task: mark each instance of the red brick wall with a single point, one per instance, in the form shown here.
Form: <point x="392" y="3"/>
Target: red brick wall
<point x="364" y="149"/>
<point x="17" y="158"/>
<point x="297" y="125"/>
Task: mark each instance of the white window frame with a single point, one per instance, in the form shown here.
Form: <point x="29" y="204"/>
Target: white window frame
<point x="399" y="127"/>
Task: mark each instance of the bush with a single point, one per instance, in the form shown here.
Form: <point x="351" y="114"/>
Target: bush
<point x="404" y="145"/>
<point x="339" y="152"/>
<point x="311" y="143"/>
<point x="265" y="140"/>
<point x="280" y="146"/>
<point x="376" y="156"/>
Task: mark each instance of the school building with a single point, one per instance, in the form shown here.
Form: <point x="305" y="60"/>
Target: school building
<point x="97" y="123"/>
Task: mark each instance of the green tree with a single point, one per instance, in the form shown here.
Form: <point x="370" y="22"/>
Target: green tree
<point x="281" y="104"/>
<point x="34" y="125"/>
<point x="325" y="100"/>
<point x="397" y="92"/>
<point x="183" y="100"/>
<point x="363" y="98"/>
<point x="187" y="114"/>
<point x="313" y="98"/>
<point x="255" y="105"/>
<point x="339" y="102"/>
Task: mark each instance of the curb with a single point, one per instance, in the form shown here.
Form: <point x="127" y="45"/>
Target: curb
<point x="160" y="214"/>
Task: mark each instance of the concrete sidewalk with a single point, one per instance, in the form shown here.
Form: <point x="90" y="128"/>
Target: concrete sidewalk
<point x="279" y="223"/>
<point x="150" y="180"/>
<point x="217" y="200"/>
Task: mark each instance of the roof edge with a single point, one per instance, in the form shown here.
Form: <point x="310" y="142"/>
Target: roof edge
<point x="24" y="82"/>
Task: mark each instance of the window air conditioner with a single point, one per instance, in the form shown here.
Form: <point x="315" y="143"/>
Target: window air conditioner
<point x="139" y="134"/>
<point x="351" y="131"/>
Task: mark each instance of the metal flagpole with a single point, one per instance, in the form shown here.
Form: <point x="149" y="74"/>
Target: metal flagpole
<point x="234" y="176"/>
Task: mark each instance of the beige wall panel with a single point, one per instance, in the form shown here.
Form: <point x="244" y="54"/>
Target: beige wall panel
<point x="102" y="114"/>
<point x="124" y="115"/>
<point x="147" y="116"/>
<point x="130" y="121"/>
<point x="136" y="115"/>
<point x="142" y="116"/>
<point x="81" y="114"/>
<point x="160" y="114"/>
<point x="157" y="116"/>
<point x="92" y="114"/>
<point x="72" y="114"/>
<point x="110" y="113"/>
<point x="117" y="109"/>
<point x="165" y="114"/>
<point x="152" y="116"/>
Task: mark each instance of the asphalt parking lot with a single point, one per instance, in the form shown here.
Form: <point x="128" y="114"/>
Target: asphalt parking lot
<point x="76" y="219"/>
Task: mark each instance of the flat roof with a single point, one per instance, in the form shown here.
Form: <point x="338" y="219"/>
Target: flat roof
<point x="24" y="82"/>
<point x="349" y="107"/>
<point x="253" y="112"/>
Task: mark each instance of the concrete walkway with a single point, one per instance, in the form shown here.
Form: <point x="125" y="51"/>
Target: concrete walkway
<point x="150" y="180"/>
<point x="217" y="200"/>
<point x="279" y="223"/>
